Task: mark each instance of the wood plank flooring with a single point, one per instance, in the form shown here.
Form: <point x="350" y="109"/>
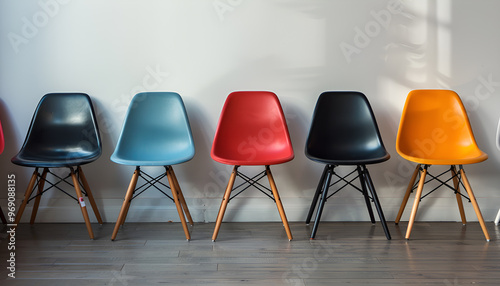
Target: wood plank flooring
<point x="350" y="253"/>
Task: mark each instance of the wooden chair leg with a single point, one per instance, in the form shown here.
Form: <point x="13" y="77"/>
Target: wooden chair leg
<point x="407" y="194"/>
<point x="277" y="199"/>
<point x="225" y="200"/>
<point x="27" y="195"/>
<point x="322" y="201"/>
<point x="376" y="201"/>
<point x="364" y="183"/>
<point x="181" y="198"/>
<point x="474" y="204"/>
<point x="41" y="184"/>
<point x="314" y="202"/>
<point x="89" y="195"/>
<point x="497" y="219"/>
<point x="175" y="195"/>
<point x="126" y="203"/>
<point x="81" y="202"/>
<point x="125" y="211"/>
<point x="457" y="195"/>
<point x="418" y="195"/>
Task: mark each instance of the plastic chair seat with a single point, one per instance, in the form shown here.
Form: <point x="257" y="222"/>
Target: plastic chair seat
<point x="156" y="132"/>
<point x="343" y="131"/>
<point x="253" y="131"/>
<point x="449" y="142"/>
<point x="63" y="133"/>
<point x="54" y="158"/>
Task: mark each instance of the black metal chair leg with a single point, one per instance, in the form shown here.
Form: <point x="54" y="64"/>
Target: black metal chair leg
<point x="365" y="194"/>
<point x="314" y="202"/>
<point x="376" y="202"/>
<point x="326" y="185"/>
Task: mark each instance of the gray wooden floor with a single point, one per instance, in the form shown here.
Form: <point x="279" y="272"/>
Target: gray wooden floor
<point x="348" y="253"/>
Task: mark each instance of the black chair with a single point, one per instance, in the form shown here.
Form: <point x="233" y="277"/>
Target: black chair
<point x="63" y="134"/>
<point x="344" y="132"/>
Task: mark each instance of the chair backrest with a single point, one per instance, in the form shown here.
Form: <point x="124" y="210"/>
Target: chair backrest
<point x="156" y="131"/>
<point x="63" y="127"/>
<point x="252" y="130"/>
<point x="2" y="141"/>
<point x="435" y="129"/>
<point x="344" y="130"/>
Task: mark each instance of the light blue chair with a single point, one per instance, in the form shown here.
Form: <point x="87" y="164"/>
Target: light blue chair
<point x="156" y="132"/>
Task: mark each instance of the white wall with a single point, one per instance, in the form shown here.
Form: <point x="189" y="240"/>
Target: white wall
<point x="206" y="49"/>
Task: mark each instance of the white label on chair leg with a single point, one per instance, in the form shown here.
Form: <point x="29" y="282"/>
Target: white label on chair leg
<point x="82" y="202"/>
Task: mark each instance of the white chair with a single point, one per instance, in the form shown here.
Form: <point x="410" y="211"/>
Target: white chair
<point x="497" y="219"/>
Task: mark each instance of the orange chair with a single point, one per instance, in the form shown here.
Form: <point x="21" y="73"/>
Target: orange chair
<point x="252" y="131"/>
<point x="435" y="130"/>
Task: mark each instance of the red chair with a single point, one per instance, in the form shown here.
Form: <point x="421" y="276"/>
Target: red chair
<point x="252" y="131"/>
<point x="2" y="145"/>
